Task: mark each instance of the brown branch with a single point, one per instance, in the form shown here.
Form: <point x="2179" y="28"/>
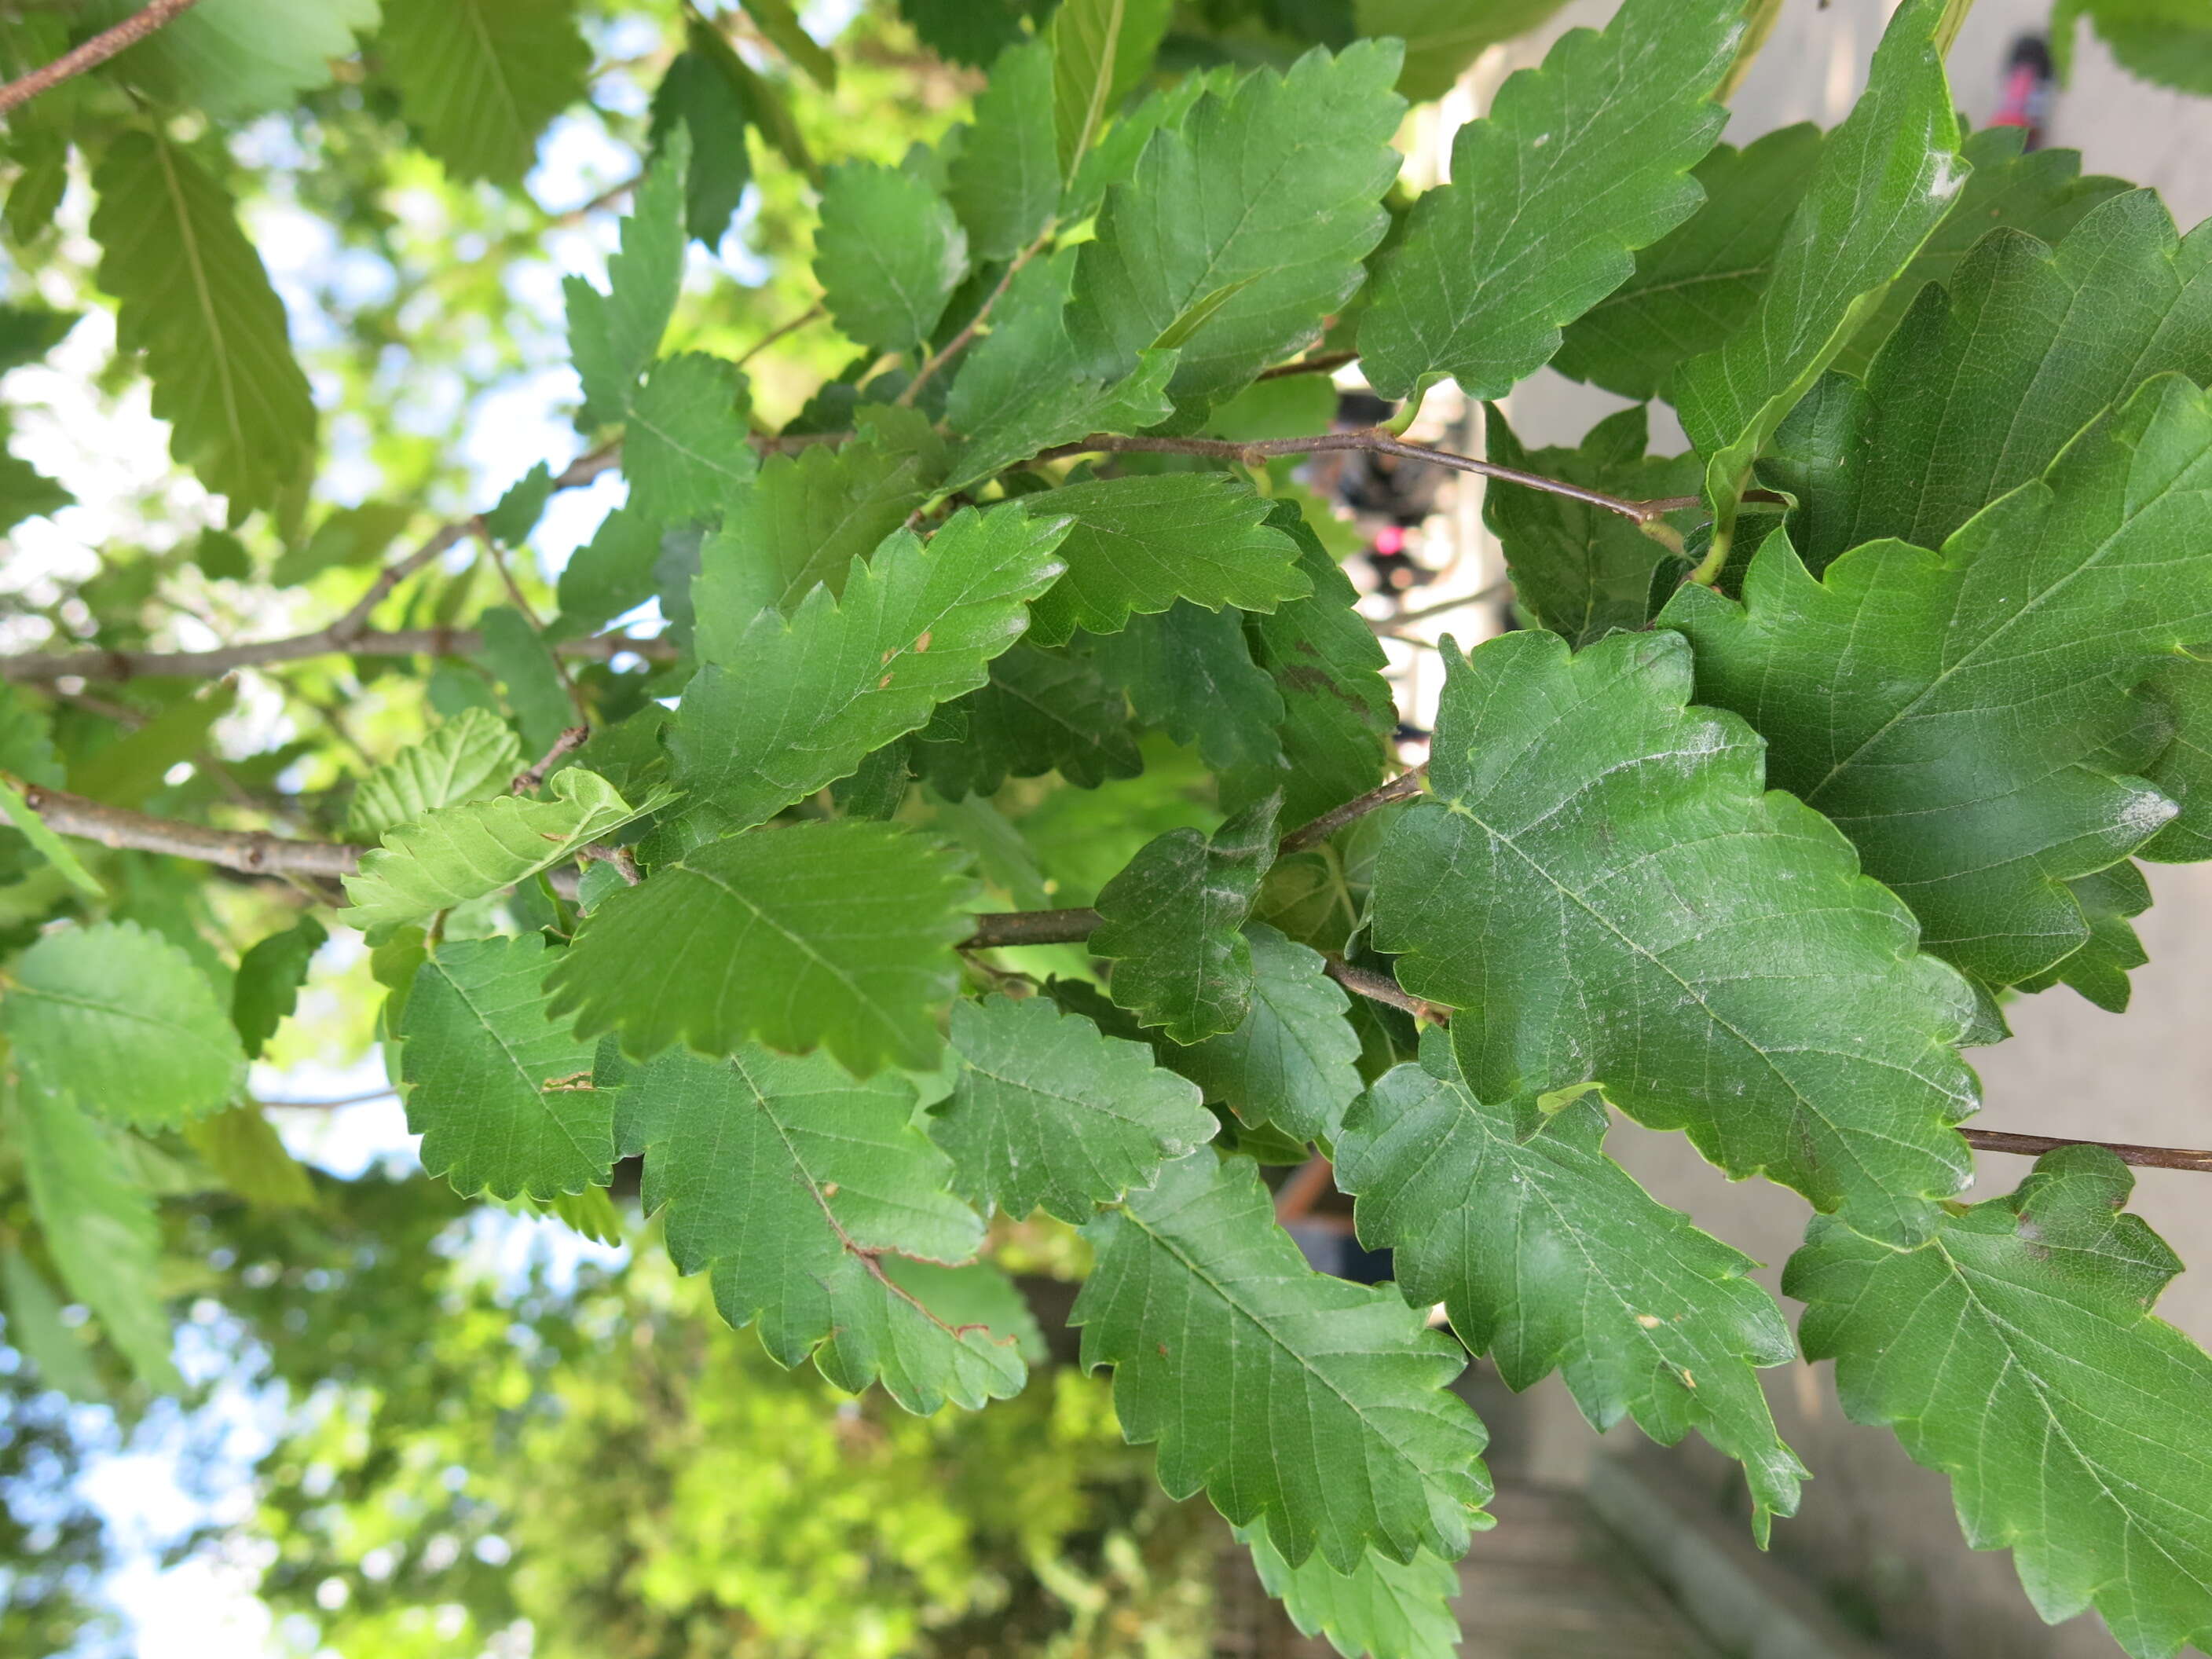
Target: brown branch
<point x="2155" y="1157"/>
<point x="98" y="50"/>
<point x="959" y="342"/>
<point x="812" y="313"/>
<point x="1000" y="929"/>
<point x="116" y="666"/>
<point x="1321" y="362"/>
<point x="567" y="743"/>
<point x="254" y="852"/>
<point x="1403" y="787"/>
<point x="1381" y="988"/>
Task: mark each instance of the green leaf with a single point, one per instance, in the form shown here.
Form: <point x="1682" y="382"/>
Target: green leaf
<point x="247" y="1157"/>
<point x="470" y="756"/>
<point x="99" y="1226"/>
<point x="1044" y="711"/>
<point x="528" y="673"/>
<point x="270" y="975"/>
<point x="684" y="449"/>
<point x="1391" y="1609"/>
<point x="697" y="95"/>
<point x="1142" y="544"/>
<point x="1578" y="164"/>
<point x="119" y="1017"/>
<point x="1549" y="1255"/>
<point x="51" y="847"/>
<point x="126" y="771"/>
<point x="1005" y="183"/>
<point x="1885" y="179"/>
<point x="614" y="337"/>
<point x="25" y="492"/>
<point x="972" y="1296"/>
<point x="2168" y="42"/>
<point x="1604" y="890"/>
<point x="1948" y="711"/>
<point x="1311" y="1404"/>
<point x="37" y="1330"/>
<point x="776" y="19"/>
<point x="1338" y="710"/>
<point x="837" y="934"/>
<point x="888" y="254"/>
<point x="804" y="521"/>
<point x="970" y="32"/>
<point x="1580" y="570"/>
<point x="1190" y="673"/>
<point x="456" y="853"/>
<point x="520" y="506"/>
<point x="608" y="575"/>
<point x="1100" y="50"/>
<point x="1113" y="159"/>
<point x="2181" y="695"/>
<point x="2015" y="1352"/>
<point x="1172" y="921"/>
<point x="191" y="295"/>
<point x="2109" y="900"/>
<point x="479" y="80"/>
<point x="1978" y="390"/>
<point x="1046" y="1111"/>
<point x="500" y="1095"/>
<point x="1293" y="1061"/>
<point x="803" y="700"/>
<point x="1273" y="190"/>
<point x="1444" y="37"/>
<point x="786" y="1181"/>
<point x="236" y="58"/>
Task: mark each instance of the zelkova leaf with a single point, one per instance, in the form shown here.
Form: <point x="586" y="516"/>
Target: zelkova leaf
<point x="473" y="755"/>
<point x="99" y="1226"/>
<point x="1947" y="712"/>
<point x="1604" y="890"/>
<point x="837" y="934"/>
<point x="1292" y="1063"/>
<point x="1389" y="1609"/>
<point x="1046" y="1111"/>
<point x="787" y="1181"/>
<point x="1254" y="215"/>
<point x="1443" y="37"/>
<point x="1547" y="1254"/>
<point x="213" y="330"/>
<point x="1310" y="1404"/>
<point x="60" y="1355"/>
<point x="684" y="448"/>
<point x="1579" y="163"/>
<point x="270" y="976"/>
<point x="698" y="94"/>
<point x="2016" y="1351"/>
<point x="889" y="254"/>
<point x="1172" y="922"/>
<point x="1579" y="570"/>
<point x="1100" y="50"/>
<point x="460" y="853"/>
<point x="1044" y="711"/>
<point x="1142" y="544"/>
<point x="803" y="700"/>
<point x="121" y="1020"/>
<point x="1005" y="183"/>
<point x="501" y="1096"/>
<point x="1190" y="673"/>
<point x="607" y="575"/>
<point x="777" y="21"/>
<point x="479" y="80"/>
<point x="1885" y="179"/>
<point x="614" y="337"/>
<point x="236" y="58"/>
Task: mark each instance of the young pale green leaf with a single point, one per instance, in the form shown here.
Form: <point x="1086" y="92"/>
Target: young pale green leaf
<point x="803" y="700"/>
<point x="1142" y="544"/>
<point x="2016" y="1351"/>
<point x="457" y="853"/>
<point x="502" y="1096"/>
<point x="786" y="1180"/>
<point x="1885" y="179"/>
<point x="479" y="80"/>
<point x="1385" y="1609"/>
<point x="1024" y="388"/>
<point x="1947" y="712"/>
<point x="1310" y="1404"/>
<point x="1293" y="1063"/>
<point x="99" y="1226"/>
<point x="1190" y="673"/>
<point x="1547" y="1254"/>
<point x="470" y="756"/>
<point x="1338" y="710"/>
<point x="1579" y="570"/>
<point x="1978" y="390"/>
<point x="38" y="1330"/>
<point x="615" y="336"/>
<point x="243" y="1152"/>
<point x="1044" y="711"/>
<point x="1269" y="194"/>
<point x="1604" y="890"/>
<point x="119" y="1020"/>
<point x="1578" y="164"/>
<point x="695" y="93"/>
<point x="270" y="976"/>
<point x="888" y="255"/>
<point x="213" y="330"/>
<point x="1046" y="1111"/>
<point x="684" y="448"/>
<point x="838" y="935"/>
<point x="233" y="60"/>
<point x="1443" y="37"/>
<point x="1172" y="922"/>
<point x="1100" y="50"/>
<point x="1005" y="183"/>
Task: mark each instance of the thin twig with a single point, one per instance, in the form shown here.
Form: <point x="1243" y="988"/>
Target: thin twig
<point x="254" y="852"/>
<point x="1444" y="608"/>
<point x="567" y="744"/>
<point x="118" y="666"/>
<point x="1381" y="988"/>
<point x="1000" y="929"/>
<point x="1321" y="362"/>
<point x="386" y="1093"/>
<point x="98" y="50"/>
<point x="812" y="313"/>
<point x="1403" y="787"/>
<point x="2155" y="1157"/>
<point x="958" y="343"/>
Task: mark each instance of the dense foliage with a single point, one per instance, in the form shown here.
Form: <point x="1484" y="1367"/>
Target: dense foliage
<point x="954" y="782"/>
